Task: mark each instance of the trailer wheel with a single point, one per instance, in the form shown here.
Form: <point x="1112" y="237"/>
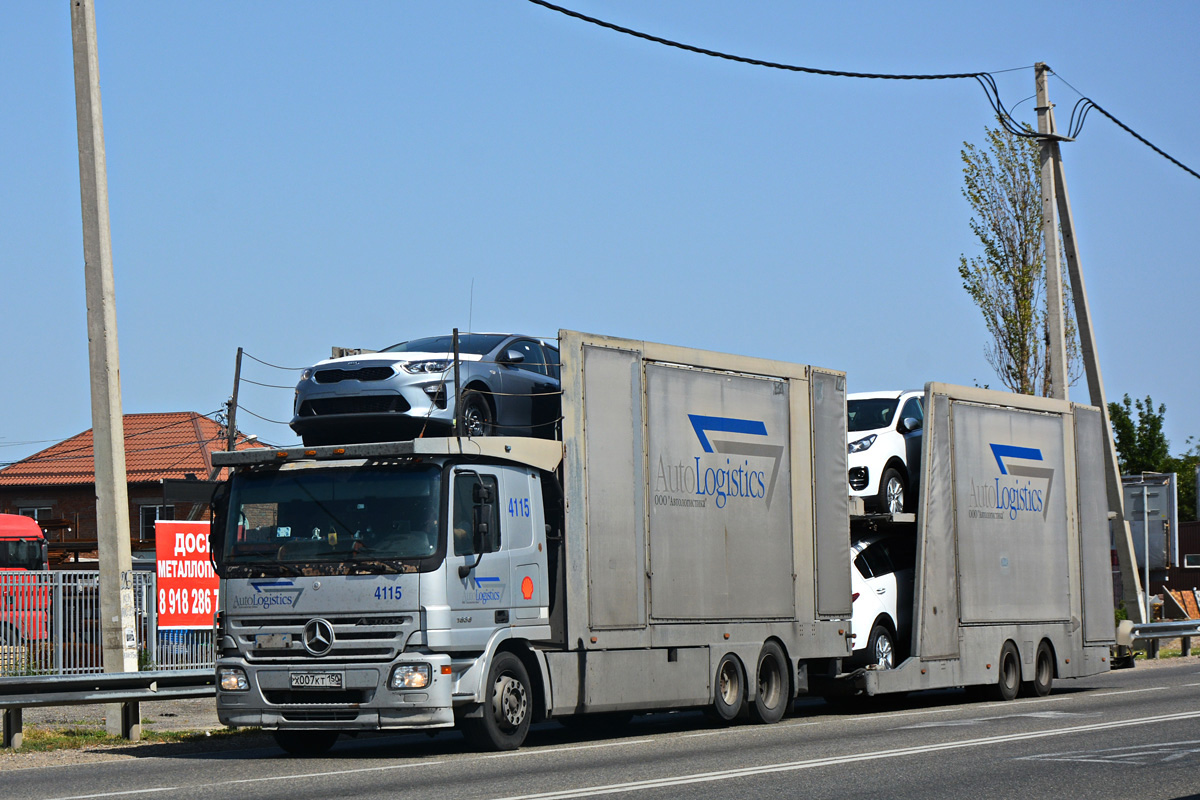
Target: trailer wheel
<point x="1009" y="669"/>
<point x="730" y="694"/>
<point x="507" y="707"/>
<point x="305" y="744"/>
<point x="771" y="693"/>
<point x="1043" y="673"/>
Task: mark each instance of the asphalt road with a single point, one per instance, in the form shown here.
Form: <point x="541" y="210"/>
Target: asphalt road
<point x="1128" y="734"/>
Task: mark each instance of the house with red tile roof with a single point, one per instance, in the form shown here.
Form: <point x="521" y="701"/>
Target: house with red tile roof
<point x="57" y="486"/>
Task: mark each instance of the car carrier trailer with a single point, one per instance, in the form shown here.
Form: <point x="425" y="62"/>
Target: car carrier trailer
<point x="1013" y="577"/>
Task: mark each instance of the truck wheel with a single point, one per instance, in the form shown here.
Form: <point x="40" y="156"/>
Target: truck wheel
<point x="1043" y="673"/>
<point x="730" y="694"/>
<point x="771" y="695"/>
<point x="507" y="707"/>
<point x="891" y="492"/>
<point x="305" y="743"/>
<point x="476" y="414"/>
<point x="881" y="650"/>
<point x="1009" y="669"/>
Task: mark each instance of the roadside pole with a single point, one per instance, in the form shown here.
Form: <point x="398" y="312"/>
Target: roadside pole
<point x="108" y="430"/>
<point x="1132" y="590"/>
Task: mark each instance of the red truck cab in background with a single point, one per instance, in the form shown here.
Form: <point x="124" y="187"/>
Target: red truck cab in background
<point x="24" y="598"/>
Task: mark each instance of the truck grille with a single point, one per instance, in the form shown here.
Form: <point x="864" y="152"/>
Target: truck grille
<point x="363" y="374"/>
<point x="370" y="404"/>
<point x="363" y="640"/>
<point x="283" y="697"/>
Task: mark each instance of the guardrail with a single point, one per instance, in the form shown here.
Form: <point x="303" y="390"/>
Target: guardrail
<point x="1153" y="632"/>
<point x="126" y="688"/>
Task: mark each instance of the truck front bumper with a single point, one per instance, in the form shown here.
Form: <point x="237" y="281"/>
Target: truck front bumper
<point x="364" y="701"/>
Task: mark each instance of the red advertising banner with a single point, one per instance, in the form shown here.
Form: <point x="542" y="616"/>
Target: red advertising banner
<point x="187" y="584"/>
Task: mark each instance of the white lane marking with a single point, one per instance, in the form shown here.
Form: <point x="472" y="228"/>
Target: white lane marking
<point x="1140" y="755"/>
<point x="1131" y="691"/>
<point x="267" y="779"/>
<point x="571" y="749"/>
<point x="950" y="723"/>
<point x="791" y="766"/>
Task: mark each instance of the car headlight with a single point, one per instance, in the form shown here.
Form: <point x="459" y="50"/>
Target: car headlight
<point x="411" y="676"/>
<point x="416" y="367"/>
<point x="861" y="444"/>
<point x="232" y="679"/>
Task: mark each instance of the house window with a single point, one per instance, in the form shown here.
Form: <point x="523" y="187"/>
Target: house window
<point x="1192" y="560"/>
<point x="148" y="516"/>
<point x="36" y="512"/>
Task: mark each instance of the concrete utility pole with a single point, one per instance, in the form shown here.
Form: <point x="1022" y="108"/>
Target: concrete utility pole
<point x="108" y="429"/>
<point x="1133" y="593"/>
<point x="1056" y="348"/>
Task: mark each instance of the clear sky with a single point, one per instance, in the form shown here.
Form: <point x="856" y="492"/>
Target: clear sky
<point x="288" y="177"/>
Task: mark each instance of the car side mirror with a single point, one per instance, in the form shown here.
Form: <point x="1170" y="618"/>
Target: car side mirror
<point x="911" y="424"/>
<point x="509" y="357"/>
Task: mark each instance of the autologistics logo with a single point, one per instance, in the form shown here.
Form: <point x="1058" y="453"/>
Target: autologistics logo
<point x="691" y="484"/>
<point x="269" y="595"/>
<point x="483" y="590"/>
<point x="1014" y="491"/>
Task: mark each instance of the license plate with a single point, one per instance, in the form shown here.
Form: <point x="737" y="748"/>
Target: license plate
<point x="317" y="680"/>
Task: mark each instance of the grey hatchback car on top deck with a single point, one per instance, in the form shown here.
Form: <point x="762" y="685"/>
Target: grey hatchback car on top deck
<point x="510" y="387"/>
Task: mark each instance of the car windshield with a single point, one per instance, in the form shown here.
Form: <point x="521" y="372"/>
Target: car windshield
<point x="333" y="515"/>
<point x="870" y="413"/>
<point x="21" y="555"/>
<point x="476" y="343"/>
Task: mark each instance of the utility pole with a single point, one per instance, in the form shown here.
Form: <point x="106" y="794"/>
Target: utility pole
<point x="108" y="430"/>
<point x="1056" y="348"/>
<point x="1133" y="592"/>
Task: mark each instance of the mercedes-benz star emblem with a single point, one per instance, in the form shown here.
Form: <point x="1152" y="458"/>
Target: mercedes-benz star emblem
<point x="318" y="637"/>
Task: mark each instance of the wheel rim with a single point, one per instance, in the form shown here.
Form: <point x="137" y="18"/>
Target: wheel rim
<point x="510" y="702"/>
<point x="1044" y="671"/>
<point x="883" y="652"/>
<point x="474" y="420"/>
<point x="727" y="684"/>
<point x="895" y="495"/>
<point x="1010" y="675"/>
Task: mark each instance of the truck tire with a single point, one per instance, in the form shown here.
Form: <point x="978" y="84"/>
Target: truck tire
<point x="1043" y="673"/>
<point x="729" y="697"/>
<point x="1008" y="681"/>
<point x="507" y="707"/>
<point x="305" y="744"/>
<point x="771" y="693"/>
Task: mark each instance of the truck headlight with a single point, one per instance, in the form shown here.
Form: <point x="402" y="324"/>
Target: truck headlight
<point x="861" y="444"/>
<point x="411" y="676"/>
<point x="232" y="679"/>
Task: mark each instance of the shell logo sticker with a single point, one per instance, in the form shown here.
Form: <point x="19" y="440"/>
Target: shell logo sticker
<point x="527" y="588"/>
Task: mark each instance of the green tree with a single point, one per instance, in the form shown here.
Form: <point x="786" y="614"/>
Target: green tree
<point x="1141" y="444"/>
<point x="1008" y="281"/>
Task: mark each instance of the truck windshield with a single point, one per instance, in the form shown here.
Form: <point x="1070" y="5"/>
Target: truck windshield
<point x="21" y="555"/>
<point x="333" y="515"/>
<point x="870" y="413"/>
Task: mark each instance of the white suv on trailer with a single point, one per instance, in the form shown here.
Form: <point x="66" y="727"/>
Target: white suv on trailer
<point x="883" y="444"/>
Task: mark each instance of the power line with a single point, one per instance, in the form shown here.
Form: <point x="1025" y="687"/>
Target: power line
<point x="985" y="80"/>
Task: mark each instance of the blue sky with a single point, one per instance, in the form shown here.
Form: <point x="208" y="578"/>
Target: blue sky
<point x="286" y="178"/>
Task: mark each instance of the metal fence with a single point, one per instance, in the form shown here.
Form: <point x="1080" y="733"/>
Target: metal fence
<point x="50" y="625"/>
